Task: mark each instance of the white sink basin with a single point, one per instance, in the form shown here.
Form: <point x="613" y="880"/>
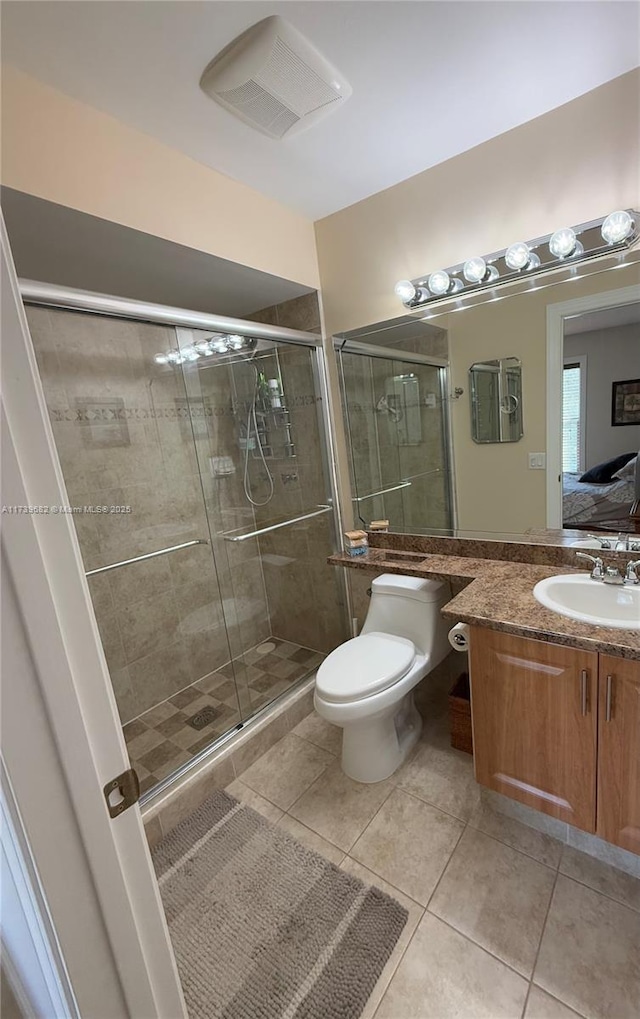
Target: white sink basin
<point x="591" y="601"/>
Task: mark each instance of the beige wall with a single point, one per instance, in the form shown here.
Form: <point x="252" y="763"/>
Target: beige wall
<point x="576" y="163"/>
<point x="59" y="149"/>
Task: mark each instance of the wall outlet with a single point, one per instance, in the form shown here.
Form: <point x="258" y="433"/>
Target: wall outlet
<point x="537" y="461"/>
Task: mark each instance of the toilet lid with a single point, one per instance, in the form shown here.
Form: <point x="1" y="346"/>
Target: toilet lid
<point x="363" y="666"/>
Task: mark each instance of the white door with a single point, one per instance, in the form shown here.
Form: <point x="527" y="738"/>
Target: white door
<point x="62" y="739"/>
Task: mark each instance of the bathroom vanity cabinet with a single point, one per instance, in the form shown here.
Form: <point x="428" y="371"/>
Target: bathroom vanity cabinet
<point x="558" y="729"/>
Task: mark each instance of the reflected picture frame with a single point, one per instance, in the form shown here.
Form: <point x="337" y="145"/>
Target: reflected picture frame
<point x="625" y="402"/>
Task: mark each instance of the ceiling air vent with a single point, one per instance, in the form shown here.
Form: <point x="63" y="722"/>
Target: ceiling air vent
<point x="274" y="79"/>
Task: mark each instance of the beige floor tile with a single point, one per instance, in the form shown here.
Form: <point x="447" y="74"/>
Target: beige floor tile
<point x="543" y="848"/>
<point x="602" y="877"/>
<point x="311" y="839"/>
<point x="320" y="732"/>
<point x="338" y="808"/>
<point x="254" y="800"/>
<point x="590" y="953"/>
<point x="542" y="1006"/>
<point x="409" y="844"/>
<point x="144" y="743"/>
<point x="286" y="770"/>
<point x="415" y="912"/>
<point x="442" y="975"/>
<point x="497" y="897"/>
<point x="442" y="777"/>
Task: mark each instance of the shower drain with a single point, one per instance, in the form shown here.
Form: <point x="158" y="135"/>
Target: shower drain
<point x="266" y="648"/>
<point x="202" y="718"/>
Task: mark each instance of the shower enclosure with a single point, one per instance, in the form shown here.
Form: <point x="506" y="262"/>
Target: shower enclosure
<point x="195" y="460"/>
<point x="395" y="411"/>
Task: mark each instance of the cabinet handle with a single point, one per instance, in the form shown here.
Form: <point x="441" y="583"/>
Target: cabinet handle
<point x="584" y="691"/>
<point x="608" y="698"/>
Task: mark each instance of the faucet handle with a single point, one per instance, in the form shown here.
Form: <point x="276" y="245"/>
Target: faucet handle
<point x="597" y="572"/>
<point x="631" y="575"/>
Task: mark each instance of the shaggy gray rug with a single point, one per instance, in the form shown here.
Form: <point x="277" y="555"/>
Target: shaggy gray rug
<point x="263" y="928"/>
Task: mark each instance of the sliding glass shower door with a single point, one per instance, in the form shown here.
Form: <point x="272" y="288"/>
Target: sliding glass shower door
<point x="198" y="490"/>
<point x="261" y="453"/>
<point x="395" y="415"/>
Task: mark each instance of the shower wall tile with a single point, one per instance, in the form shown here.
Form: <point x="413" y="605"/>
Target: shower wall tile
<point x="130" y="585"/>
<point x="159" y="675"/>
<point x="154" y="624"/>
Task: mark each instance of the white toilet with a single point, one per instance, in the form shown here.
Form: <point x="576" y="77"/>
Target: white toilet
<point x="366" y="685"/>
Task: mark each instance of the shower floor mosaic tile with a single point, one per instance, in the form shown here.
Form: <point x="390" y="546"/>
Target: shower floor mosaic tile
<point x="176" y="730"/>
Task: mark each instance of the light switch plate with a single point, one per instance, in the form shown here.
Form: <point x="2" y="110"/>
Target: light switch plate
<point x="537" y="461"/>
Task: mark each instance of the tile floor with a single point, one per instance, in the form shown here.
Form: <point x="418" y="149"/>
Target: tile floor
<point x="504" y="921"/>
<point x="174" y="731"/>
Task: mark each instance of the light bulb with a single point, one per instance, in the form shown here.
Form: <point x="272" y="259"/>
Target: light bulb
<point x="203" y="347"/>
<point x="517" y="255"/>
<point x="174" y="357"/>
<point x="190" y="354"/>
<point x="235" y="342"/>
<point x="564" y="243"/>
<point x="220" y="345"/>
<point x="439" y="282"/>
<point x="405" y="290"/>
<point x="475" y="269"/>
<point x="161" y="359"/>
<point x="617" y="227"/>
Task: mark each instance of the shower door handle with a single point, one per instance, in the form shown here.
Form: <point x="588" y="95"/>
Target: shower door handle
<point x="275" y="527"/>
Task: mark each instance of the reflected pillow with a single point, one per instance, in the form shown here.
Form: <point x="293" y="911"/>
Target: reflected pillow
<point x="628" y="472"/>
<point x="602" y="474"/>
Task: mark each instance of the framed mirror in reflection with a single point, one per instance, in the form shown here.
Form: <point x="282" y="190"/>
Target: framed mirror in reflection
<point x="496" y="400"/>
<point x="572" y="341"/>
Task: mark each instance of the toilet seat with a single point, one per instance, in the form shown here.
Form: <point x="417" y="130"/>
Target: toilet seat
<point x="363" y="666"/>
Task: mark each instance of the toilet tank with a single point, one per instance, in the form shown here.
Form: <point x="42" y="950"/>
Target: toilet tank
<point x="410" y="607"/>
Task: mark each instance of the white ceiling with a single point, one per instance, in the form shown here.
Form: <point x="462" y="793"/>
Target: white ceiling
<point x="430" y="79"/>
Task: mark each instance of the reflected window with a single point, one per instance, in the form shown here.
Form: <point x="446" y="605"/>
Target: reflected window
<point x="573" y="415"/>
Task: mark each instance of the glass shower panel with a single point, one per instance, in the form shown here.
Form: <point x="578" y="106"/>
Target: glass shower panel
<point x="395" y="420"/>
<point x="124" y="428"/>
<point x="262" y="462"/>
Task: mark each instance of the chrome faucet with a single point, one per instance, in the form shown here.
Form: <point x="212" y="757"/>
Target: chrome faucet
<point x="597" y="573"/>
<point x="631" y="575"/>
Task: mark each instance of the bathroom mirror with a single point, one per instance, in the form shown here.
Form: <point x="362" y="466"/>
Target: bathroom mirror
<point x="487" y="483"/>
<point x="496" y="400"/>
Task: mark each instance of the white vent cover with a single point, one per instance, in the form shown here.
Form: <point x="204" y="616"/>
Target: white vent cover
<point x="274" y="79"/>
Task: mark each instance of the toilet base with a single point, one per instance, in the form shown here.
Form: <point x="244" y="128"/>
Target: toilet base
<point x="376" y="747"/>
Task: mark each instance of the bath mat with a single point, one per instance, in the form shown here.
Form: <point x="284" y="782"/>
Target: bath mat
<point x="264" y="928"/>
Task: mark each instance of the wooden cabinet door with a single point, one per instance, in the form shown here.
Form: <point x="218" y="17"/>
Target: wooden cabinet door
<point x="534" y="710"/>
<point x="619" y="753"/>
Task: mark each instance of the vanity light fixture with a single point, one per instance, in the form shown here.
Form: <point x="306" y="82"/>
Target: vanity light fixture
<point x="220" y="344"/>
<point x="615" y="232"/>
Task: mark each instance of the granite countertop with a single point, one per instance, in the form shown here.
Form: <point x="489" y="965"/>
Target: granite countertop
<point x="499" y="595"/>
